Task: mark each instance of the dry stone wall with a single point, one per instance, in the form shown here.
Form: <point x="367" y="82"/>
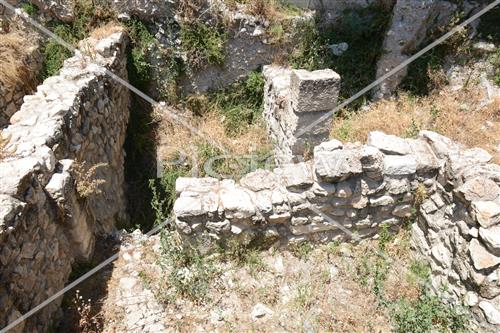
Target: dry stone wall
<point x="46" y="224"/>
<point x="351" y="191"/>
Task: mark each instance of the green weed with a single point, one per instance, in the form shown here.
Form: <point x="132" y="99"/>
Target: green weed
<point x="190" y="271"/>
<point x="55" y="53"/>
<point x="203" y="44"/>
<point x="30" y="8"/>
<point x="428" y="314"/>
<point x="138" y="63"/>
<point x="363" y="30"/>
<point x="240" y="104"/>
<point x="88" y="16"/>
<point x="302" y="250"/>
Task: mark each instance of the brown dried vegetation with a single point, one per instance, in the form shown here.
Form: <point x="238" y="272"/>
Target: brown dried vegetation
<point x="86" y="182"/>
<point x="464" y="115"/>
<point x="15" y="67"/>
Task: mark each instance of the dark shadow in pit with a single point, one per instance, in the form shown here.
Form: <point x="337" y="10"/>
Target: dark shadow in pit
<point x="84" y="315"/>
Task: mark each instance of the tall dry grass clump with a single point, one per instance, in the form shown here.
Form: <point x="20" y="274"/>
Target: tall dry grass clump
<point x="174" y="138"/>
<point x="464" y="115"/>
<point x="15" y="67"/>
<point x="4" y="151"/>
<point x="87" y="183"/>
<point x="107" y="29"/>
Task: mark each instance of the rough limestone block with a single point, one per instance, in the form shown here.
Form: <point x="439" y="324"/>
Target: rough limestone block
<point x="338" y="165"/>
<point x="481" y="257"/>
<point x="400" y="165"/>
<point x="491" y="237"/>
<point x="487" y="213"/>
<point x="389" y="144"/>
<point x="294" y="103"/>
<point x="296" y="176"/>
<point x="314" y="91"/>
<point x="479" y="189"/>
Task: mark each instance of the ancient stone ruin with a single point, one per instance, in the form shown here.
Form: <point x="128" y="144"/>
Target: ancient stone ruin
<point x="78" y="117"/>
<point x="352" y="191"/>
<point x="70" y="134"/>
<point x="295" y="102"/>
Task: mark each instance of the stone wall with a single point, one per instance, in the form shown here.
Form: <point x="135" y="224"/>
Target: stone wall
<point x="46" y="221"/>
<point x="293" y="101"/>
<point x="351" y="191"/>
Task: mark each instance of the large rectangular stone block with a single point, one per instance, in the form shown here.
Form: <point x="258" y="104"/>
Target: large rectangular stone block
<point x="314" y="91"/>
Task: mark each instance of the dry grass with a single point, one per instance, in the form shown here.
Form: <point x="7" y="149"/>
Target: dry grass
<point x="15" y="67"/>
<point x="107" y="29"/>
<point x="4" y="151"/>
<point x="461" y="115"/>
<point x="174" y="139"/>
<point x="271" y="10"/>
<point x="86" y="182"/>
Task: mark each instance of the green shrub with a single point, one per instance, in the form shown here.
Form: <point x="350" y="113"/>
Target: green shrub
<point x="240" y="104"/>
<point x="203" y="44"/>
<point x="30" y="9"/>
<point x="428" y="314"/>
<point x="141" y="40"/>
<point x="190" y="270"/>
<point x="55" y="53"/>
<point x="88" y="16"/>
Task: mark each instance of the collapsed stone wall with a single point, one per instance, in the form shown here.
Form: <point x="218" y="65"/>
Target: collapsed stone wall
<point x="351" y="191"/>
<point x="46" y="223"/>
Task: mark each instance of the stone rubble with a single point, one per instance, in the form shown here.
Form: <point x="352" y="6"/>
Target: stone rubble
<point x="352" y="191"/>
<point x="140" y="311"/>
<point x="45" y="225"/>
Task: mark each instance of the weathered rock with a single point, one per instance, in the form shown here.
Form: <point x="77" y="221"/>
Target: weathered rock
<point x="479" y="189"/>
<point x="236" y="203"/>
<point x="259" y="180"/>
<point x="389" y="144"/>
<point x="338" y="165"/>
<point x="491" y="237"/>
<point x="400" y="165"/>
<point x="403" y="210"/>
<point x="314" y="91"/>
<point x="492" y="314"/>
<point x="481" y="257"/>
<point x="295" y="103"/>
<point x="260" y="311"/>
<point x="487" y="213"/>
<point x="296" y="176"/>
<point x="408" y="29"/>
<point x="51" y="223"/>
